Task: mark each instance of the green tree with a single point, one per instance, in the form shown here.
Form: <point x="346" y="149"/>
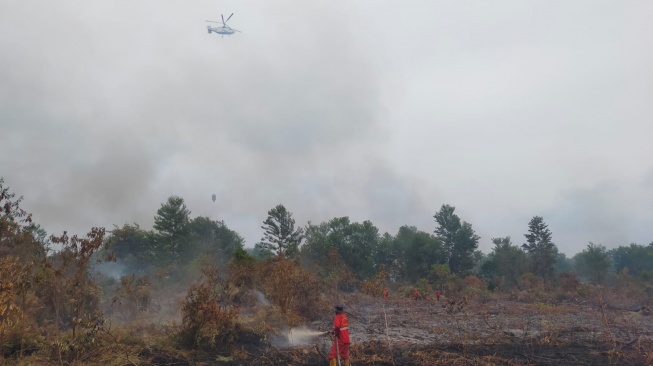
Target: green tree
<point x="458" y="238"/>
<point x="442" y="277"/>
<point x="417" y="252"/>
<point x="280" y="237"/>
<point x="213" y="238"/>
<point x="132" y="247"/>
<point x="505" y="265"/>
<point x="356" y="244"/>
<point x="361" y="245"/>
<point x="594" y="263"/>
<point x="541" y="249"/>
<point x="317" y="243"/>
<point x="563" y="264"/>
<point x="240" y="256"/>
<point x="638" y="259"/>
<point x="387" y="254"/>
<point x="171" y="224"/>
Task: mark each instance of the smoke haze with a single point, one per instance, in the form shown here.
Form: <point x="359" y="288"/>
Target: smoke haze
<point x="505" y="110"/>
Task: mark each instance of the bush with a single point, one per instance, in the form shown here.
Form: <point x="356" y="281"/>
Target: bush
<point x="374" y="286"/>
<point x="132" y="297"/>
<point x="295" y="290"/>
<point x="208" y="319"/>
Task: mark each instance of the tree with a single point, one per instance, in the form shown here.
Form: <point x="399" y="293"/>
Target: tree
<point x="356" y="244"/>
<point x="281" y="237"/>
<point x="442" y="277"/>
<point x="214" y="238"/>
<point x="387" y="255"/>
<point x="19" y="236"/>
<point x="241" y="257"/>
<point x="541" y="249"/>
<point x="637" y="258"/>
<point x="69" y="288"/>
<point x="594" y="263"/>
<point x="505" y="265"/>
<point x="417" y="252"/>
<point x="462" y="258"/>
<point x="132" y="247"/>
<point x="361" y="244"/>
<point x="171" y="225"/>
<point x="318" y="243"/>
<point x="563" y="264"/>
<point x="458" y="238"/>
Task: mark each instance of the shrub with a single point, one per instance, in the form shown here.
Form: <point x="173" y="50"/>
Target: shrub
<point x="132" y="296"/>
<point x="209" y="321"/>
<point x="295" y="290"/>
<point x="374" y="286"/>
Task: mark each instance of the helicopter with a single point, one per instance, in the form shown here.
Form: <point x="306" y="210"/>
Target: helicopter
<point x="224" y="29"/>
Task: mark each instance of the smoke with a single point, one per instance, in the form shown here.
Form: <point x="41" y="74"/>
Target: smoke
<point x="261" y="298"/>
<point x="111" y="269"/>
<point x="323" y="108"/>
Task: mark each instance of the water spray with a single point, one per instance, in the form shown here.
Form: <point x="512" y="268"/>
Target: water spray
<point x="298" y="336"/>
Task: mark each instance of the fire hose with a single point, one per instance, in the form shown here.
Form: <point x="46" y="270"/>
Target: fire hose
<point x="335" y="339"/>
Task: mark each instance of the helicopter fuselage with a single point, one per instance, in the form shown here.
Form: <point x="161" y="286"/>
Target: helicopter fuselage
<point x="220" y="30"/>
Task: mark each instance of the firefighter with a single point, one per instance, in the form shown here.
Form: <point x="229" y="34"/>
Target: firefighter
<point x="340" y="348"/>
<point x="437" y="294"/>
<point x="385" y="294"/>
<point x="416" y="294"/>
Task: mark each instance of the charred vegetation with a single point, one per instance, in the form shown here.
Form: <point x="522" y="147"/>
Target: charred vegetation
<point x="190" y="294"/>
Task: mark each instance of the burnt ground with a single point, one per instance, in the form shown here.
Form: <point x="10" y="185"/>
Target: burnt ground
<point x="495" y="332"/>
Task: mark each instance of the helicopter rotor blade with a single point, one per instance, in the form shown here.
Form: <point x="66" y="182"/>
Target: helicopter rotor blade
<point x="222" y="18"/>
<point x="232" y="14"/>
<point x="212" y="21"/>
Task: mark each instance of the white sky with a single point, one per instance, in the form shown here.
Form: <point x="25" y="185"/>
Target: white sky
<point x="370" y="109"/>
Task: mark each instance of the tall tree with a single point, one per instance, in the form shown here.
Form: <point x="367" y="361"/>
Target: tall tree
<point x="563" y="264"/>
<point x="387" y="253"/>
<point x="638" y="259"/>
<point x="356" y="243"/>
<point x="214" y="238"/>
<point x="594" y="263"/>
<point x="362" y="244"/>
<point x="171" y="225"/>
<point x="133" y="247"/>
<point x="68" y="287"/>
<point x="506" y="263"/>
<point x="458" y="238"/>
<point x="417" y="252"/>
<point x="19" y="236"/>
<point x="541" y="249"/>
<point x="280" y="237"/>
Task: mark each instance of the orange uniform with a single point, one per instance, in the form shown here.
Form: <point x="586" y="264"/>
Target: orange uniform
<point x="385" y="293"/>
<point x="341" y="332"/>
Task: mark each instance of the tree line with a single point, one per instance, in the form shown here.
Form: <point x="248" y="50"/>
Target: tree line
<point x="358" y="250"/>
